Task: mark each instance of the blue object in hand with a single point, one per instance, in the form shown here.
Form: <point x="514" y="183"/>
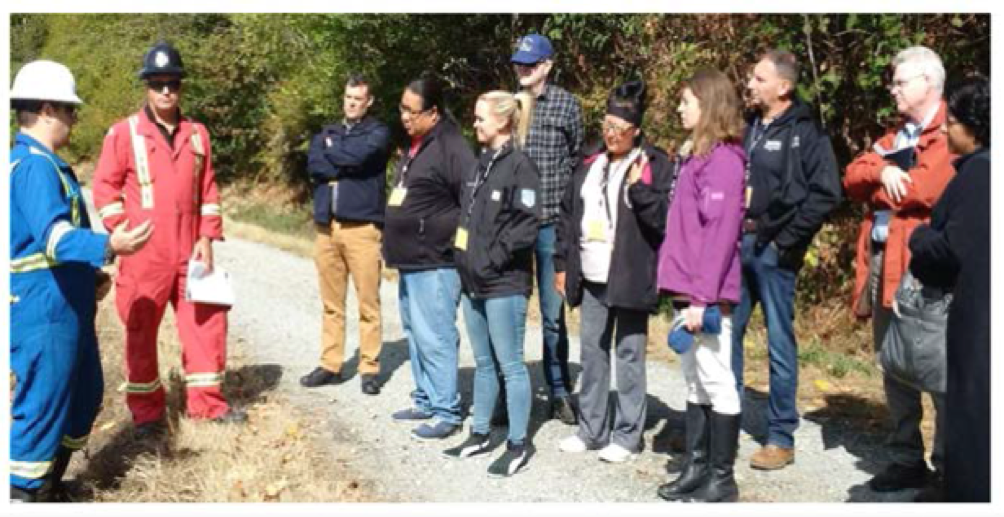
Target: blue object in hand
<point x="680" y="339"/>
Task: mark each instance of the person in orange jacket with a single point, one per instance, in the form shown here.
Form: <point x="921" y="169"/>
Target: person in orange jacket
<point x="157" y="165"/>
<point x="900" y="180"/>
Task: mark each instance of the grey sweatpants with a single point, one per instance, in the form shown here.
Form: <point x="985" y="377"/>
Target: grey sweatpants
<point x="623" y="423"/>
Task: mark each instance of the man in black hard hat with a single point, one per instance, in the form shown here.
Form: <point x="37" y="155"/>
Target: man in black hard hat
<point x="157" y="164"/>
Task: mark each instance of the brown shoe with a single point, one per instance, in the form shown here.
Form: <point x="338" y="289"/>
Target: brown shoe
<point x="772" y="457"/>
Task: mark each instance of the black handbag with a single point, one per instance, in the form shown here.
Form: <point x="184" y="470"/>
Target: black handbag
<point x="913" y="350"/>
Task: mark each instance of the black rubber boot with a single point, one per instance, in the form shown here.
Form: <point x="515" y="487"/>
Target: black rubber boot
<point x="20" y="495"/>
<point x="52" y="490"/>
<point x="720" y="486"/>
<point x="695" y="471"/>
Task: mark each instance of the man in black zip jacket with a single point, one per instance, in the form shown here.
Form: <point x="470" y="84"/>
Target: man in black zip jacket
<point x="793" y="185"/>
<point x="420" y="224"/>
<point x="347" y="163"/>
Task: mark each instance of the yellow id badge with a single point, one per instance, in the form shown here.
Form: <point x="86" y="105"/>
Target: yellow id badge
<point x="596" y="230"/>
<point x="397" y="196"/>
<point x="461" y="241"/>
<point x="749" y="196"/>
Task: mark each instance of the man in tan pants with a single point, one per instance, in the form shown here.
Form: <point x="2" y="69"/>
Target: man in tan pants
<point x="347" y="163"/>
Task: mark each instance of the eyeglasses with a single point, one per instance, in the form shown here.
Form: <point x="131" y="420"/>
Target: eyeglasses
<point x="405" y="110"/>
<point x="172" y="85"/>
<point x="616" y="128"/>
<point x="901" y="83"/>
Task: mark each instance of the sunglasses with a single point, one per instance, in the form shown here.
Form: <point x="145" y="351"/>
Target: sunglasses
<point x="172" y="85"/>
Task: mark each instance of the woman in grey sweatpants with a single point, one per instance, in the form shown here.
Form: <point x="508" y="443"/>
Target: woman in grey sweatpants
<point x="612" y="219"/>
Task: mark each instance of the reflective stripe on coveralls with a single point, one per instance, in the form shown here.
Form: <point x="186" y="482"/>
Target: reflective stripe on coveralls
<point x="142" y="165"/>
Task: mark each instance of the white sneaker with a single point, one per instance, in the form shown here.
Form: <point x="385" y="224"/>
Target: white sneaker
<point x="572" y="444"/>
<point x="614" y="453"/>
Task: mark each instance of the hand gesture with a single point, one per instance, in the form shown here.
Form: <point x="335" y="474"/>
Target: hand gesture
<point x="127" y="242"/>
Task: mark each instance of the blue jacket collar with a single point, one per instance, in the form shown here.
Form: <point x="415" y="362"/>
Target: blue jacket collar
<point x="26" y="140"/>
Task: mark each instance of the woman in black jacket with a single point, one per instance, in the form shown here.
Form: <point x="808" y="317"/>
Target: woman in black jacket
<point x="499" y="218"/>
<point x="419" y="224"/>
<point x="953" y="252"/>
<point x="613" y="216"/>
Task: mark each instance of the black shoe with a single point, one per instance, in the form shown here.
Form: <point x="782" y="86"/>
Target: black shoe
<point x="934" y="492"/>
<point x="513" y="461"/>
<point x="52" y="490"/>
<point x="562" y="409"/>
<point x="695" y="469"/>
<point x="898" y="477"/>
<point x="320" y="377"/>
<point x="232" y="416"/>
<point x="370" y="385"/>
<point x="475" y="444"/>
<point x="723" y="443"/>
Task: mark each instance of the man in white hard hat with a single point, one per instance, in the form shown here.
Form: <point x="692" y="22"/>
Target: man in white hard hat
<point x="55" y="261"/>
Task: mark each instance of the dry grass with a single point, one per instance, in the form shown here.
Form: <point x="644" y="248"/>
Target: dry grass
<point x="275" y="457"/>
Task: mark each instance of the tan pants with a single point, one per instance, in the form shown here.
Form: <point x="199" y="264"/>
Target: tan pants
<point x="340" y="250"/>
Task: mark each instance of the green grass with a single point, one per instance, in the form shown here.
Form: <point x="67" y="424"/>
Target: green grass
<point x="298" y="222"/>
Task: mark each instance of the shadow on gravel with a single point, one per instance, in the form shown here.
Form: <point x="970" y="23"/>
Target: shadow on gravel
<point x="246" y="385"/>
<point x="755" y="414"/>
<point x="540" y="410"/>
<point x="392" y="356"/>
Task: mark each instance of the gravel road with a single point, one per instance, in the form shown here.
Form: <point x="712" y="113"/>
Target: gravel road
<point x="277" y="319"/>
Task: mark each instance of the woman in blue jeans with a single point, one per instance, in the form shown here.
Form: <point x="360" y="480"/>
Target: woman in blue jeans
<point x="493" y="247"/>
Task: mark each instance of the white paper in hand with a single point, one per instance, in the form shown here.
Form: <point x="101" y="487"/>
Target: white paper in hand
<point x="215" y="288"/>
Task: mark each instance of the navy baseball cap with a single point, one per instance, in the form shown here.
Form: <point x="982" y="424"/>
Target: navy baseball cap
<point x="532" y="49"/>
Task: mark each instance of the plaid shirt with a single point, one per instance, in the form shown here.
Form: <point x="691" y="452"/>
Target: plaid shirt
<point x="553" y="144"/>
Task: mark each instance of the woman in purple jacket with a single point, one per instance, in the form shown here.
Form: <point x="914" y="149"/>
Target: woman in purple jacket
<point x="699" y="267"/>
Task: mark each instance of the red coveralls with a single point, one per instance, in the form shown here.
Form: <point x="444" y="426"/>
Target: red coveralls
<point x="177" y="189"/>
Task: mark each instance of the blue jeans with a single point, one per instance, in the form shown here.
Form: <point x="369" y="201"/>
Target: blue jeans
<point x="763" y="280"/>
<point x="428" y="301"/>
<point x="552" y="315"/>
<point x="496" y="327"/>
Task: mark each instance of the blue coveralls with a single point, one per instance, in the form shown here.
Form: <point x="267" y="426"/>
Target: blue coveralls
<point x="53" y="346"/>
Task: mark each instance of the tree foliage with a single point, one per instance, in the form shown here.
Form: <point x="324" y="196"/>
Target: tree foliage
<point x="263" y="83"/>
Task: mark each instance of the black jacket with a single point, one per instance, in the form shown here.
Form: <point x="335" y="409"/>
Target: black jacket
<point x="794" y="177"/>
<point x="501" y="214"/>
<point x="954" y="252"/>
<point x="639" y="233"/>
<point x="419" y="233"/>
<point x="357" y="159"/>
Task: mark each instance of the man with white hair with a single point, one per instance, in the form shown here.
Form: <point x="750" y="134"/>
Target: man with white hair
<point x="900" y="180"/>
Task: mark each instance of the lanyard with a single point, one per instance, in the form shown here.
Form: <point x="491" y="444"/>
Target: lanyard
<point x="480" y="178"/>
<point x="749" y="160"/>
<point x="408" y="159"/>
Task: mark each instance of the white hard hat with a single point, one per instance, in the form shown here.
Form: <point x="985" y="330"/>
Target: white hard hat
<point x="44" y="80"/>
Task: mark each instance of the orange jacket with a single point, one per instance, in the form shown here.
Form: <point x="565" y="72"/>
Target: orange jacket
<point x="862" y="182"/>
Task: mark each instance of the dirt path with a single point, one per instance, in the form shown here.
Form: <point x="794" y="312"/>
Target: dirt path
<point x="277" y="318"/>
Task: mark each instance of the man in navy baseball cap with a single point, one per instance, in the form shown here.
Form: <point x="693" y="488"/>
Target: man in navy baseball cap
<point x="532" y="49"/>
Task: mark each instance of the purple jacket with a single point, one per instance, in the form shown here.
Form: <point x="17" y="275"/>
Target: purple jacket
<point x="700" y="254"/>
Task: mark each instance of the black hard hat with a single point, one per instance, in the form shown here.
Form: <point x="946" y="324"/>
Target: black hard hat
<point x="162" y="58"/>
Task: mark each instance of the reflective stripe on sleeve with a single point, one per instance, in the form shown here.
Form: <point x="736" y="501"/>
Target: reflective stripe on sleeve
<point x="111" y="209"/>
<point x="60" y="229"/>
<point x="210" y="209"/>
